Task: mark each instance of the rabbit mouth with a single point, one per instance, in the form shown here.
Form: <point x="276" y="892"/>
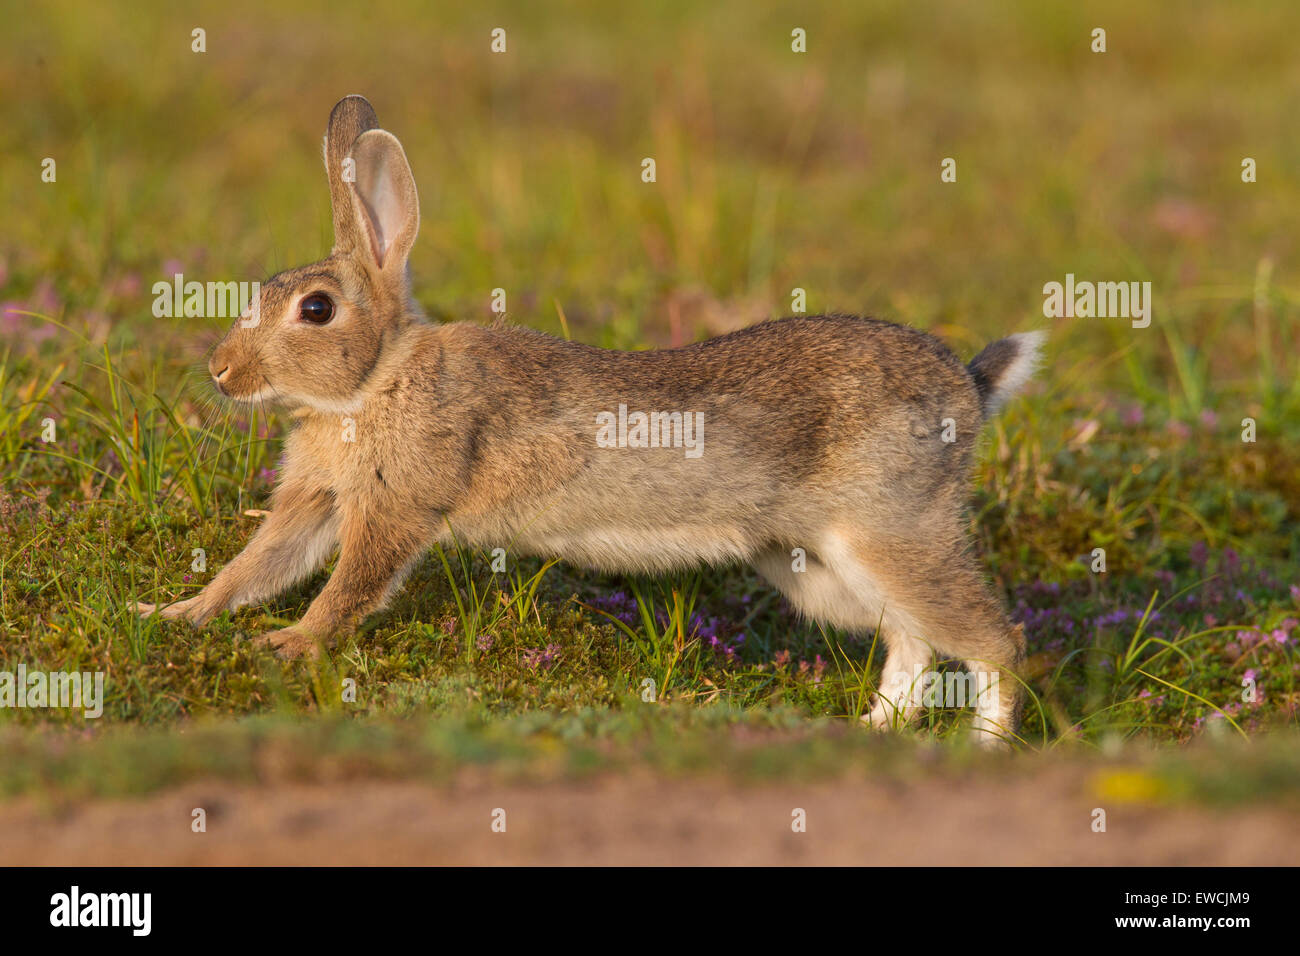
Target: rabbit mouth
<point x="262" y="393"/>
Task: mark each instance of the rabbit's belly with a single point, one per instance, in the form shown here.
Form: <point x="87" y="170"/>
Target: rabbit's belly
<point x="634" y="550"/>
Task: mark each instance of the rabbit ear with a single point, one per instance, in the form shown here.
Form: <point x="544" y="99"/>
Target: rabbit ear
<point x="351" y="116"/>
<point x="385" y="200"/>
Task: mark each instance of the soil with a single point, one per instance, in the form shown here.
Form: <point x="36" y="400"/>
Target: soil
<point x="1045" y="819"/>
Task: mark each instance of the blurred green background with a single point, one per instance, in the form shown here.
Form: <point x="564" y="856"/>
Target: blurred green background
<point x="775" y="169"/>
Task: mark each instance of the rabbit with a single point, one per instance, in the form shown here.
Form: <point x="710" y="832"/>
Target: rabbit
<point x="832" y="453"/>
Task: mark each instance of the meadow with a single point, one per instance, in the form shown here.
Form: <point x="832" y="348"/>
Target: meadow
<point x="1174" y="449"/>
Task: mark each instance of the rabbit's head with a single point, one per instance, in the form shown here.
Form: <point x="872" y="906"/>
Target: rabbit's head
<point x="315" y="332"/>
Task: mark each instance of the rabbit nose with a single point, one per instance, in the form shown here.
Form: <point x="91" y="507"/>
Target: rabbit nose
<point x="219" y="374"/>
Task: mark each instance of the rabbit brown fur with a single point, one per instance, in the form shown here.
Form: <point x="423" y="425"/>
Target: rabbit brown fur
<point x="843" y="440"/>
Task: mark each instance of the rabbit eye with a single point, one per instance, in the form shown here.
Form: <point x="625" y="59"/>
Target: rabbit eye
<point x="316" y="308"/>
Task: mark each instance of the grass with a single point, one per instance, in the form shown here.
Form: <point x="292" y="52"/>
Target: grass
<point x="776" y="171"/>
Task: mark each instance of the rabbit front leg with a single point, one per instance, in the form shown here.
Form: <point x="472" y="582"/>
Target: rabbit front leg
<point x="292" y="543"/>
<point x="374" y="559"/>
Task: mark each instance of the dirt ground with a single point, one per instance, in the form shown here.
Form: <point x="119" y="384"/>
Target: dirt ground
<point x="643" y="820"/>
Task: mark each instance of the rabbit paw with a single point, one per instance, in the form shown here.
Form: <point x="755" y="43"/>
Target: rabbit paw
<point x="885" y="716"/>
<point x="186" y="609"/>
<point x="290" y="643"/>
<point x="876" y="718"/>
